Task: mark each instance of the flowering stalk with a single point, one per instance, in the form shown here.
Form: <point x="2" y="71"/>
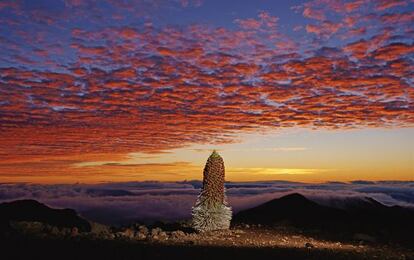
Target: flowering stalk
<point x="211" y="211"/>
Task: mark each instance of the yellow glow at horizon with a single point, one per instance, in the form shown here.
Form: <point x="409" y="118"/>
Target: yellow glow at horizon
<point x="294" y="155"/>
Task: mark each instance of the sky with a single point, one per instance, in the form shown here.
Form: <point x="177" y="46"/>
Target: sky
<point x="136" y="90"/>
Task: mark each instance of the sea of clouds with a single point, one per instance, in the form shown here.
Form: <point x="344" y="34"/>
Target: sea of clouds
<point x="122" y="203"/>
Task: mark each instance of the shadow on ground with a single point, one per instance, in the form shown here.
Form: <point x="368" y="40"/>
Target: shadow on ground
<point x="89" y="249"/>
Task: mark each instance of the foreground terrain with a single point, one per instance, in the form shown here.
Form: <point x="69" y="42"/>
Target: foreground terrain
<point x="243" y="243"/>
<point x="291" y="227"/>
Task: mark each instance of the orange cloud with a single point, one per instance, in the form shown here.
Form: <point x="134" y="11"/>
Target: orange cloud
<point x="125" y="88"/>
<point x="384" y="4"/>
<point x="313" y="14"/>
<point x="326" y="28"/>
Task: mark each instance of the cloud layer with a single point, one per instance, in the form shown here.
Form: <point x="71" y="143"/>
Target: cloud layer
<point x="120" y="203"/>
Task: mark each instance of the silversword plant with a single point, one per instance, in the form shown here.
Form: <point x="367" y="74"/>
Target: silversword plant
<point x="211" y="211"/>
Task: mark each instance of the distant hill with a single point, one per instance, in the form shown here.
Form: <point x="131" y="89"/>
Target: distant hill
<point x="292" y="209"/>
<point x="31" y="210"/>
<point x="357" y="215"/>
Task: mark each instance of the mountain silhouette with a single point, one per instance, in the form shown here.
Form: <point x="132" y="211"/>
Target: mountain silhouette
<point x="357" y="215"/>
<point x="294" y="209"/>
<point x="31" y="210"/>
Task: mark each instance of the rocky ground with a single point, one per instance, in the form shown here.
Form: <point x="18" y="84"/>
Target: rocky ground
<point x="242" y="241"/>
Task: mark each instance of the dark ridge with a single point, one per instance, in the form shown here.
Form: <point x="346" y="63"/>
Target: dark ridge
<point x="364" y="215"/>
<point x="31" y="210"/>
<point x="293" y="209"/>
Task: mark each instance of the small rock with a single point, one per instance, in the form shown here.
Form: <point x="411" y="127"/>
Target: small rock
<point x="163" y="235"/>
<point x="66" y="232"/>
<point x="99" y="229"/>
<point x="364" y="238"/>
<point x="54" y="231"/>
<point x="140" y="236"/>
<point x="309" y="245"/>
<point x="177" y="234"/>
<point x="155" y="231"/>
<point x="119" y="234"/>
<point x="143" y="230"/>
<point x="128" y="233"/>
<point x="141" y="233"/>
<point x="74" y="232"/>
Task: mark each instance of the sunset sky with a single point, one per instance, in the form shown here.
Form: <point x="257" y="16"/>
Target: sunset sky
<point x="132" y="90"/>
